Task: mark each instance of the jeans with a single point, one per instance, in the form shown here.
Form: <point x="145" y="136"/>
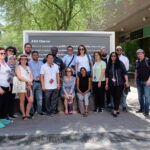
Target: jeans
<point x="143" y="95"/>
<point x="51" y="100"/>
<point x="37" y="92"/>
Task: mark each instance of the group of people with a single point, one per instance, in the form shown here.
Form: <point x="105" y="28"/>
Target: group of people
<point x="73" y="76"/>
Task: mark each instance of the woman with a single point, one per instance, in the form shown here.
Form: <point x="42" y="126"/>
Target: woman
<point x="116" y="78"/>
<point x="83" y="60"/>
<point x="83" y="89"/>
<point x="10" y="51"/>
<point x="4" y="89"/>
<point x="98" y="79"/>
<point x="68" y="92"/>
<point x="12" y="64"/>
<point x="24" y="74"/>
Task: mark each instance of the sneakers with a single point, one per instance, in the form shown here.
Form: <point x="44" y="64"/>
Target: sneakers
<point x="5" y="121"/>
<point x="146" y="114"/>
<point x="139" y="111"/>
<point x="2" y="125"/>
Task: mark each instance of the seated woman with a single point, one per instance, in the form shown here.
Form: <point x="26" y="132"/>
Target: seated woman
<point x="68" y="92"/>
<point x="83" y="89"/>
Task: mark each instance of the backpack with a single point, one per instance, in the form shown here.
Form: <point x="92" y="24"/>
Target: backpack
<point x="146" y="62"/>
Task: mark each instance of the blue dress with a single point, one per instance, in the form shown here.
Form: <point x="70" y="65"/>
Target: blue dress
<point x="68" y="85"/>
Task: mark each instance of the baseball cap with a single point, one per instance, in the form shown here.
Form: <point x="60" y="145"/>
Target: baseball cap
<point x="140" y="51"/>
<point x="118" y="47"/>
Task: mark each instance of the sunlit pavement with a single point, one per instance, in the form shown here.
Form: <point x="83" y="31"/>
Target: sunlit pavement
<point x="97" y="131"/>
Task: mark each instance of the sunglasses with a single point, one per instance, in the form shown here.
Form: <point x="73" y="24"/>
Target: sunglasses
<point x="81" y="48"/>
<point x="113" y="56"/>
<point x="2" y="53"/>
<point x="11" y="50"/>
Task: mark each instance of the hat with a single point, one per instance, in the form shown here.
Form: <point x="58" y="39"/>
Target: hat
<point x="23" y="56"/>
<point x="140" y="51"/>
<point x="118" y="47"/>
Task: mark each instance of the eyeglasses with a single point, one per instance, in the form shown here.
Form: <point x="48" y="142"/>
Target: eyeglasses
<point x="68" y="71"/>
<point x="2" y="53"/>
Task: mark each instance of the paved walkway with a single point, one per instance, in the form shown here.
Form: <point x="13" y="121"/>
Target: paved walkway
<point x="95" y="123"/>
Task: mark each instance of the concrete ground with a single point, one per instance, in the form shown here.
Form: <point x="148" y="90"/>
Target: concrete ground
<point x="97" y="131"/>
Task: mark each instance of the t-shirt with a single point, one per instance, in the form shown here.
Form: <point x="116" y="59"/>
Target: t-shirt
<point x="4" y="75"/>
<point x="83" y="62"/>
<point x="97" y="70"/>
<point x="50" y="73"/>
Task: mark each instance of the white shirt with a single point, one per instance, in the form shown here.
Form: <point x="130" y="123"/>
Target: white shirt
<point x="49" y="74"/>
<point x="67" y="59"/>
<point x="125" y="61"/>
<point x="83" y="62"/>
<point x="4" y="75"/>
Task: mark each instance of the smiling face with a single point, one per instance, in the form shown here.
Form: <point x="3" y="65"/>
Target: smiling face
<point x="28" y="49"/>
<point x="70" y="51"/>
<point x="140" y="55"/>
<point x="97" y="57"/>
<point x="10" y="52"/>
<point x="119" y="51"/>
<point x="23" y="61"/>
<point x="2" y="54"/>
<point x="68" y="71"/>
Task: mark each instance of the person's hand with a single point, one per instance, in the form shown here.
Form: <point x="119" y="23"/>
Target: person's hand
<point x="43" y="88"/>
<point x="135" y="84"/>
<point x="29" y="83"/>
<point x="106" y="87"/>
<point x="58" y="86"/>
<point x="148" y="83"/>
<point x="1" y="91"/>
<point x="99" y="84"/>
<point x="127" y="84"/>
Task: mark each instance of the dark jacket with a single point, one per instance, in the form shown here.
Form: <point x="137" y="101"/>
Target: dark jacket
<point x="117" y="73"/>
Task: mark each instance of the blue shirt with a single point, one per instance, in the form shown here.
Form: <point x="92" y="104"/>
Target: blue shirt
<point x="35" y="68"/>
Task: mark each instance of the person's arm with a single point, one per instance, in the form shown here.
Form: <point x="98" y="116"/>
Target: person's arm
<point x="42" y="82"/>
<point x="148" y="81"/>
<point x="126" y="80"/>
<point x="101" y="77"/>
<point x="89" y="86"/>
<point x="18" y="74"/>
<point x="1" y="91"/>
<point x="78" y="86"/>
<point x="135" y="78"/>
<point x="106" y="87"/>
<point x="63" y="87"/>
<point x="72" y="86"/>
<point x="58" y="80"/>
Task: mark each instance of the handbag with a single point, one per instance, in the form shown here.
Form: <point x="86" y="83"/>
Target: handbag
<point x="18" y="86"/>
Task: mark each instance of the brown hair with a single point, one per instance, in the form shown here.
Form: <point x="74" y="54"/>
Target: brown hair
<point x="98" y="54"/>
<point x="85" y="50"/>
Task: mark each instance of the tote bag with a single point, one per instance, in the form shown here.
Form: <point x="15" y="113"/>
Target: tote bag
<point x="18" y="86"/>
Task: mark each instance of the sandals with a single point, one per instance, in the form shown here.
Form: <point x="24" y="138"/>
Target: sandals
<point x="26" y="117"/>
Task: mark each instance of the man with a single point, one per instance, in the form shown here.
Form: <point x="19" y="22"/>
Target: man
<point x="58" y="61"/>
<point x="50" y="81"/>
<point x="70" y="59"/>
<point x="142" y="80"/>
<point x="35" y="66"/>
<point x="125" y="61"/>
<point x="28" y="50"/>
<point x="104" y="55"/>
<point x="105" y="58"/>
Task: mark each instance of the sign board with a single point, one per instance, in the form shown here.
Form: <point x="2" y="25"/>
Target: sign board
<point x="42" y="41"/>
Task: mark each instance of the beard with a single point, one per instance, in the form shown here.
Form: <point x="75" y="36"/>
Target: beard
<point x="28" y="52"/>
<point x="104" y="55"/>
